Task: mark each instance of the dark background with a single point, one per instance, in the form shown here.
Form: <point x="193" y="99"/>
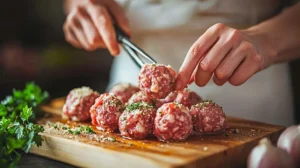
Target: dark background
<point x="32" y="48"/>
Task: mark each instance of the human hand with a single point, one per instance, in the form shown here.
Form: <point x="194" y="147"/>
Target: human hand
<point x="90" y="25"/>
<point x="228" y="54"/>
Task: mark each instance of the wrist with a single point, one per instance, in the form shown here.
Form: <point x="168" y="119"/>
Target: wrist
<point x="264" y="44"/>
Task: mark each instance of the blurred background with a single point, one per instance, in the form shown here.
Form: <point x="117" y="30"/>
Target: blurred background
<point x="32" y="48"/>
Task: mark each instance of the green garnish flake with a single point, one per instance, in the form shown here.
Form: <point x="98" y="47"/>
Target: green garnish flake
<point x="138" y="105"/>
<point x="70" y="131"/>
<point x="55" y="126"/>
<point x="89" y="130"/>
<point x="133" y="106"/>
<point x="77" y="132"/>
<point x="80" y="128"/>
<point x="64" y="128"/>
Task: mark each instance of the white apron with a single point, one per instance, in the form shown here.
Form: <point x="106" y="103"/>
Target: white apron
<point x="166" y="29"/>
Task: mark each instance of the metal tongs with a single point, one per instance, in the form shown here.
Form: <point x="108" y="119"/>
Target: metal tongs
<point x="132" y="50"/>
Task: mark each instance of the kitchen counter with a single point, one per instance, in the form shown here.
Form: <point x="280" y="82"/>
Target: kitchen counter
<point x="32" y="161"/>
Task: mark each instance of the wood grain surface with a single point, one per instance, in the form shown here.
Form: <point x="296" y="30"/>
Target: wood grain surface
<point x="228" y="149"/>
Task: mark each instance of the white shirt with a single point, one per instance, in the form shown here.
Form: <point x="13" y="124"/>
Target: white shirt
<point x="166" y="29"/>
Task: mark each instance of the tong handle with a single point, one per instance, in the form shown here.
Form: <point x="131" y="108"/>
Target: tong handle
<point x="120" y="33"/>
<point x="131" y="48"/>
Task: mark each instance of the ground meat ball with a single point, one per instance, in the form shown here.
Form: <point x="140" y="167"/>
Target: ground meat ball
<point x="156" y="80"/>
<point x="136" y="122"/>
<point x="124" y="91"/>
<point x="78" y="104"/>
<point x="141" y="97"/>
<point x="106" y="111"/>
<point x="173" y="122"/>
<point x="208" y="118"/>
<point x="188" y="98"/>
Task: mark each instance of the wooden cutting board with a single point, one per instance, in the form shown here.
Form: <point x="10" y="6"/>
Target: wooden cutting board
<point x="229" y="149"/>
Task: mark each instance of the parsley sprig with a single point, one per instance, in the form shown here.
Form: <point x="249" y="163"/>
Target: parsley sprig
<point x="17" y="129"/>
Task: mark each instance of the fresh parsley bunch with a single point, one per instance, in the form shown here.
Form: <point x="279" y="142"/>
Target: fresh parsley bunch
<point x="17" y="129"/>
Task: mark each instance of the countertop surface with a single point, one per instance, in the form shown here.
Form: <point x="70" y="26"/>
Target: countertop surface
<point x="32" y="161"/>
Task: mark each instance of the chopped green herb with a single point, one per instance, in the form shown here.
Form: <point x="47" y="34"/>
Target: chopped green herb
<point x="64" y="128"/>
<point x="70" y="131"/>
<point x="89" y="130"/>
<point x="80" y="128"/>
<point x="76" y="132"/>
<point x="133" y="106"/>
<point x="55" y="126"/>
<point x="138" y="105"/>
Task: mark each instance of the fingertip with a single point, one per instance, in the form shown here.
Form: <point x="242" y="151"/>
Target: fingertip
<point x="115" y="52"/>
<point x="114" y="48"/>
<point x="178" y="85"/>
<point x="191" y="81"/>
<point x="218" y="82"/>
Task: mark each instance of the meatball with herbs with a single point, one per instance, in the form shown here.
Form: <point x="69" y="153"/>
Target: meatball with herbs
<point x="106" y="111"/>
<point x="124" y="91"/>
<point x="78" y="104"/>
<point x="136" y="122"/>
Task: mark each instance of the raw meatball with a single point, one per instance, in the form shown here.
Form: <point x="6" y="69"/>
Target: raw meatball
<point x="136" y="122"/>
<point x="156" y="80"/>
<point x="141" y="97"/>
<point x="187" y="98"/>
<point x="106" y="111"/>
<point x="124" y="91"/>
<point x="173" y="122"/>
<point x="78" y="104"/>
<point x="208" y="118"/>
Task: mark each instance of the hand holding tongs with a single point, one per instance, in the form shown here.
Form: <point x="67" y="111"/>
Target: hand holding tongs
<point x="132" y="49"/>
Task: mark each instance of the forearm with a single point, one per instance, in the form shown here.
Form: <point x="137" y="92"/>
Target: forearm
<point x="280" y="35"/>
